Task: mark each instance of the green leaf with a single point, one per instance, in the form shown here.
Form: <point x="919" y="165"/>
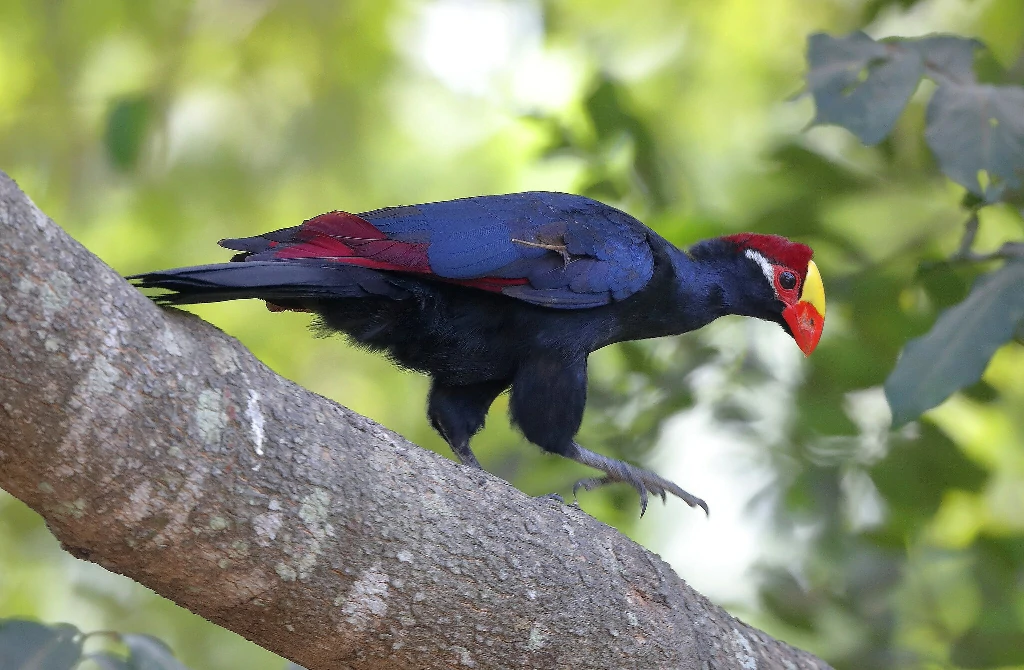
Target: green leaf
<point x="127" y="127"/>
<point x="979" y="129"/>
<point x="861" y="84"/>
<point x="27" y="645"/>
<point x="958" y="347"/>
<point x="149" y="653"/>
<point x="947" y="59"/>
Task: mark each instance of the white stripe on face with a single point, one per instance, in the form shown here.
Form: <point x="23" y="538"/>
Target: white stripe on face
<point x="766" y="267"/>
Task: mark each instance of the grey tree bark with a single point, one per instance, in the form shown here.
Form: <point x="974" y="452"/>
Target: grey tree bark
<point x="157" y="446"/>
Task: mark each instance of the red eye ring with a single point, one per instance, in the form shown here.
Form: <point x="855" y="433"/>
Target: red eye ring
<point x="787" y="292"/>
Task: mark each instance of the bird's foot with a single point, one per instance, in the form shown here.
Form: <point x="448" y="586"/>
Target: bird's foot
<point x="557" y="497"/>
<point x="643" y="481"/>
<point x="464" y="454"/>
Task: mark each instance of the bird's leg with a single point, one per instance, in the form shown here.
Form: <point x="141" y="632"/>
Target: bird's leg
<point x="643" y="481"/>
<point x="462" y="451"/>
<point x="458" y="413"/>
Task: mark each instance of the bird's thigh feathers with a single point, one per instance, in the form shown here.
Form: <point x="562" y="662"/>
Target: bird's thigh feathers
<point x="458" y="412"/>
<point x="549" y="393"/>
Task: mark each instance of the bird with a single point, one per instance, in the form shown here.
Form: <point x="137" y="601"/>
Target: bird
<point x="511" y="292"/>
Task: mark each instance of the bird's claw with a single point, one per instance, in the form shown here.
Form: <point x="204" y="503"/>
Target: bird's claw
<point x="644" y="481"/>
<point x="642" y="488"/>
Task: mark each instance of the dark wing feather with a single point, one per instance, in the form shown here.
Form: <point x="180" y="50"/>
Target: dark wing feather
<point x="265" y="280"/>
<point x="550" y="249"/>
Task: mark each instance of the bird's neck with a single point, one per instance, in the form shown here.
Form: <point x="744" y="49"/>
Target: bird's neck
<point x="701" y="291"/>
<point x="685" y="294"/>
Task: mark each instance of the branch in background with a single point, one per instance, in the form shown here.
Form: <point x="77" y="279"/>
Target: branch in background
<point x="967" y="241"/>
<point x="159" y="448"/>
<point x="1006" y="252"/>
<point x="966" y="254"/>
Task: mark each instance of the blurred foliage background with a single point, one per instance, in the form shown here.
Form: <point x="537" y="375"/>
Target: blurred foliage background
<point x="151" y="130"/>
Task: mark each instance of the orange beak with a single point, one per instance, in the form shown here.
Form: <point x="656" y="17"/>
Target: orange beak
<point x="807" y="317"/>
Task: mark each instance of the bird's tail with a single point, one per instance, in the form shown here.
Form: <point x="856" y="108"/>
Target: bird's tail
<point x="274" y="281"/>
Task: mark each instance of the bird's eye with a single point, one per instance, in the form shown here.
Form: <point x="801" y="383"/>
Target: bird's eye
<point x="787" y="280"/>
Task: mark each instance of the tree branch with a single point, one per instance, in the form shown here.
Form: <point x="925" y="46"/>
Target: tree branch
<point x="966" y="253"/>
<point x="159" y="448"/>
<point x="966" y="248"/>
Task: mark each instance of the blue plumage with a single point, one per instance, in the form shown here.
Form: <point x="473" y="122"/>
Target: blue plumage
<point x="605" y="255"/>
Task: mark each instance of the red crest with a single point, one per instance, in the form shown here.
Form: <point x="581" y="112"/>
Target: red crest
<point x="776" y="249"/>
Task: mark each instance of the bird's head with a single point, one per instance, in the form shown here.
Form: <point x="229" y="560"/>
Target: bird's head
<point x="777" y="281"/>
